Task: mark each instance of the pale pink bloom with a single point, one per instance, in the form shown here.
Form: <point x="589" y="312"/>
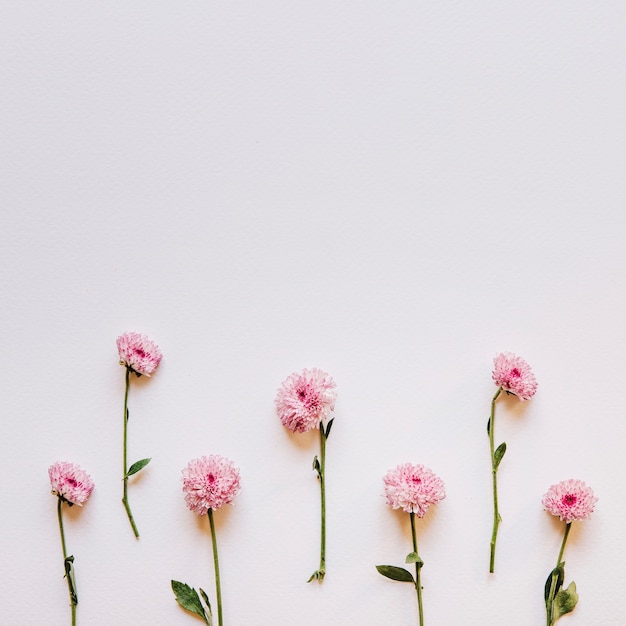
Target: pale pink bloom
<point x="413" y="488"/>
<point x="209" y="482"/>
<point x="305" y="399"/>
<point x="139" y="353"/>
<point x="570" y="500"/>
<point x="514" y="375"/>
<point x="70" y="482"/>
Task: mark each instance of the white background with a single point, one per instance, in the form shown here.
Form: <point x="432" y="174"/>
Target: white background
<point x="391" y="191"/>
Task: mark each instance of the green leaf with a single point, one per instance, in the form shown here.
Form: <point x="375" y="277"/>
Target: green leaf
<point x="565" y="601"/>
<point x="395" y="573"/>
<point x="316" y="466"/>
<point x="557" y="574"/>
<point x="328" y="427"/>
<point x="135" y="467"/>
<point x="188" y="598"/>
<point x="208" y="604"/>
<point x="69" y="572"/>
<point x="498" y="454"/>
<point x="413" y="557"/>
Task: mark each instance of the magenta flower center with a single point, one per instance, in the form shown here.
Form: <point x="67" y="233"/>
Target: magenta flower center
<point x="569" y="499"/>
<point x="210" y="478"/>
<point x="139" y="352"/>
<point x="515" y="373"/>
<point x="72" y="481"/>
<point x="416" y="480"/>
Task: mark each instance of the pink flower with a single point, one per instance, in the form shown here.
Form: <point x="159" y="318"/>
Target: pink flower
<point x="138" y="353"/>
<point x="306" y="399"/>
<point x="413" y="488"/>
<point x="514" y="375"/>
<point x="70" y="482"/>
<point x="570" y="500"/>
<point x="209" y="482"/>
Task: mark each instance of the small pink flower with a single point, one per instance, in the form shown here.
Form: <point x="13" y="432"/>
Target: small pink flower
<point x="139" y="353"/>
<point x="70" y="482"/>
<point x="570" y="500"/>
<point x="413" y="488"/>
<point x="514" y="375"/>
<point x="306" y="399"/>
<point x="209" y="482"/>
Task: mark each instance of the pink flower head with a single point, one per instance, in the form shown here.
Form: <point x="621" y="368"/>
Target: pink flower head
<point x="413" y="488"/>
<point x="306" y="399"/>
<point x="70" y="482"/>
<point x="209" y="482"/>
<point x="514" y="375"/>
<point x="138" y="353"/>
<point x="570" y="500"/>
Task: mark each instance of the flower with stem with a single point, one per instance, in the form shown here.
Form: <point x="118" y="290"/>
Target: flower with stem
<point x="569" y="500"/>
<point x="208" y="483"/>
<point x="141" y="357"/>
<point x="512" y="375"/>
<point x="412" y="488"/>
<point x="306" y="400"/>
<point x="71" y="484"/>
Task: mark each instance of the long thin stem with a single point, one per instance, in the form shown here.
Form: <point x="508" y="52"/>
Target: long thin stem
<point x="320" y="466"/>
<point x="418" y="569"/>
<point x="494" y="479"/>
<point x="553" y="590"/>
<point x="216" y="565"/>
<point x="322" y="568"/>
<point x="125" y="502"/>
<point x="562" y="550"/>
<point x="72" y="591"/>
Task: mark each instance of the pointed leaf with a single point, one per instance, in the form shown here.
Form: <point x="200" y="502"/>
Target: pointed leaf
<point x="395" y="573"/>
<point x="69" y="572"/>
<point x="498" y="454"/>
<point x="328" y="427"/>
<point x="565" y="601"/>
<point x="139" y="465"/>
<point x="557" y="574"/>
<point x="208" y="604"/>
<point x="316" y="466"/>
<point x="188" y="598"/>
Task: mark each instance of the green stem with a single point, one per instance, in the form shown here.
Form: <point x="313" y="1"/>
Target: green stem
<point x="322" y="568"/>
<point x="72" y="592"/>
<point x="418" y="569"/>
<point x="216" y="565"/>
<point x="494" y="479"/>
<point x="562" y="550"/>
<point x="320" y="466"/>
<point x="553" y="590"/>
<point x="125" y="502"/>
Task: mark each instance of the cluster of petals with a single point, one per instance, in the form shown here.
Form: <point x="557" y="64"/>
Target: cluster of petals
<point x="570" y="500"/>
<point x="306" y="399"/>
<point x="70" y="482"/>
<point x="514" y="375"/>
<point x="138" y="353"/>
<point x="210" y="482"/>
<point x="413" y="488"/>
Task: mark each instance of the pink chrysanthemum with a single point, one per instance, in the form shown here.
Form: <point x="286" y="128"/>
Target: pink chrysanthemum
<point x="570" y="500"/>
<point x="514" y="375"/>
<point x="210" y="482"/>
<point x="139" y="353"/>
<point x="70" y="482"/>
<point x="306" y="399"/>
<point x="413" y="488"/>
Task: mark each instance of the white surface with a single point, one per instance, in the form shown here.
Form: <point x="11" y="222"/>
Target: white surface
<point x="392" y="192"/>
